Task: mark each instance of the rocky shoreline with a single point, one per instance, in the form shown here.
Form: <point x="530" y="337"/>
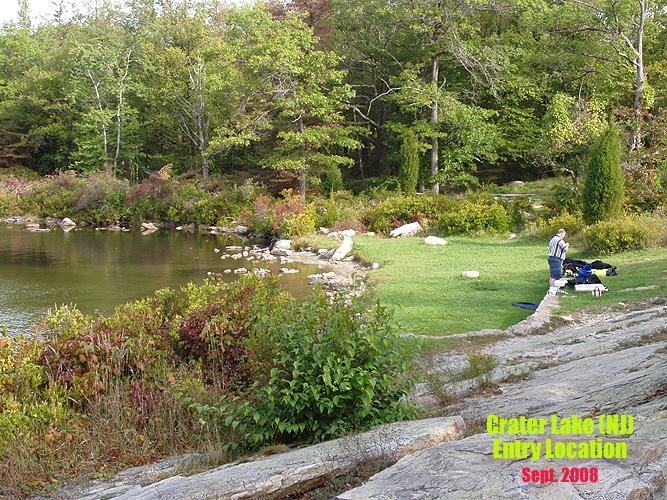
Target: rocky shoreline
<point x="342" y="271"/>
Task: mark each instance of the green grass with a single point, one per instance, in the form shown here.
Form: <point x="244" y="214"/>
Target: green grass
<point x="424" y="286"/>
<point x="541" y="188"/>
<point x="635" y="269"/>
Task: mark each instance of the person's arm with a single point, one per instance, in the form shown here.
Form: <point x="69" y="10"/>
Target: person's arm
<point x="562" y="245"/>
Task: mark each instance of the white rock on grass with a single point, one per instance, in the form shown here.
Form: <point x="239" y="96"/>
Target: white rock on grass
<point x="406" y="230"/>
<point x="344" y="249"/>
<point x="434" y="240"/>
<point x="375" y="265"/>
<point x="348" y="232"/>
<point x="470" y="274"/>
<point x="324" y="230"/>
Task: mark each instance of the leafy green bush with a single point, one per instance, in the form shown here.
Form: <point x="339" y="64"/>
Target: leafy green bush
<point x="474" y="216"/>
<point x="546" y="228"/>
<point x="602" y="193"/>
<point x="57" y="196"/>
<point x="399" y="210"/>
<point x="332" y="180"/>
<point x="300" y="224"/>
<point x="103" y="198"/>
<point x="239" y="364"/>
<point x="625" y="233"/>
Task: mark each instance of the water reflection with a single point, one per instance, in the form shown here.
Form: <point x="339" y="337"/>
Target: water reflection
<point x="98" y="270"/>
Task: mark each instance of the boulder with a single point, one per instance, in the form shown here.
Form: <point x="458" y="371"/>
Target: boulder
<point x="518" y="183"/>
<point x="344" y="249"/>
<point x="406" y="230"/>
<point x="348" y="232"/>
<point x="148" y="228"/>
<point x="283" y="245"/>
<point x="67" y="222"/>
<point x="324" y="230"/>
<point x="434" y="240"/>
<point x="470" y="274"/>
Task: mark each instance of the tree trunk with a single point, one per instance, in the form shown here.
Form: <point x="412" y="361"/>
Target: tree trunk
<point x="638" y="103"/>
<point x="435" y="187"/>
<point x="204" y="165"/>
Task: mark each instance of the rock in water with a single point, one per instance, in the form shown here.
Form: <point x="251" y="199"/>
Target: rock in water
<point x="148" y="228"/>
<point x="344" y="248"/>
<point x="434" y="240"/>
<point x="406" y="230"/>
<point x="67" y="223"/>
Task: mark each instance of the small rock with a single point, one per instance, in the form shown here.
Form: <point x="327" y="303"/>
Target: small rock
<point x="245" y="253"/>
<point x="240" y="270"/>
<point x="179" y="228"/>
<point x="234" y="247"/>
<point x="434" y="240"/>
<point x="237" y="256"/>
<point x="324" y="230"/>
<point x="348" y="232"/>
<point x="406" y="230"/>
<point x="241" y="229"/>
<point x="518" y="183"/>
<point x="286" y="270"/>
<point x="216" y="250"/>
<point x="375" y="265"/>
<point x="370" y="233"/>
<point x="511" y="236"/>
<point x="227" y="271"/>
<point x="470" y="274"/>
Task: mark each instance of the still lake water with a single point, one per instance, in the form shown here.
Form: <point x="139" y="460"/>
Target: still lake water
<point x="99" y="270"/>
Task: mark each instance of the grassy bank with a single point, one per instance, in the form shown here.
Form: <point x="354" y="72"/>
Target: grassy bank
<point x="424" y="285"/>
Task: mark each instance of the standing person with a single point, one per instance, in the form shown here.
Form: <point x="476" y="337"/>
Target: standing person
<point x="557" y="249"/>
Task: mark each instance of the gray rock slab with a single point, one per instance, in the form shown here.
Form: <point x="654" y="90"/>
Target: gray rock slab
<point x="466" y="469"/>
<point x="296" y="469"/>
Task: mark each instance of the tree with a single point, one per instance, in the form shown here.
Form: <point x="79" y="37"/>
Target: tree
<point x="602" y="193"/>
<point x="308" y="95"/>
<point x="409" y="172"/>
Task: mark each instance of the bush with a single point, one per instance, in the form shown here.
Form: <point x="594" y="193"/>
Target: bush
<point x="229" y="364"/>
<point x="102" y="198"/>
<point x="546" y="228"/>
<point x="398" y="210"/>
<point x="474" y="216"/>
<point x="57" y="196"/>
<point x="332" y="181"/>
<point x="409" y="172"/>
<point x="602" y="193"/>
<point x="625" y="233"/>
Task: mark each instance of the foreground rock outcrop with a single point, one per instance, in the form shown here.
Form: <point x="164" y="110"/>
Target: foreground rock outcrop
<point x="294" y="471"/>
<point x="613" y="364"/>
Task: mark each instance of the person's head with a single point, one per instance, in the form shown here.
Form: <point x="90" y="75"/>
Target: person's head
<point x="561" y="233"/>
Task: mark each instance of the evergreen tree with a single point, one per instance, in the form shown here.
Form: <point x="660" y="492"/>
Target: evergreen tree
<point x="409" y="172"/>
<point x="603" y="187"/>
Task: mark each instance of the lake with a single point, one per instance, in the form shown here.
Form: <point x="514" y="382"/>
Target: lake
<point x="99" y="270"/>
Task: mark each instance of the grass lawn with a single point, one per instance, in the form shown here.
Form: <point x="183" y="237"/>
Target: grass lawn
<point x="423" y="283"/>
<point x="635" y="269"/>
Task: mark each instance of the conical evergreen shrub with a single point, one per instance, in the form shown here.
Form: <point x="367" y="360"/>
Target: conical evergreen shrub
<point x="409" y="172"/>
<point x="602" y="194"/>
